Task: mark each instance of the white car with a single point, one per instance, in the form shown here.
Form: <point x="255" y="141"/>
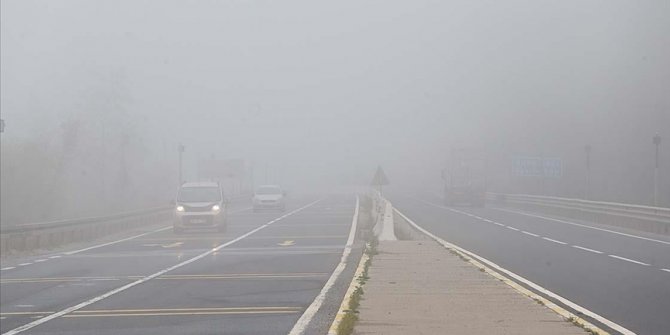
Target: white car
<point x="269" y="197"/>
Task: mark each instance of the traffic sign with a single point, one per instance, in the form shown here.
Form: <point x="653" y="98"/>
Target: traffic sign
<point x="538" y="167"/>
<point x="380" y="178"/>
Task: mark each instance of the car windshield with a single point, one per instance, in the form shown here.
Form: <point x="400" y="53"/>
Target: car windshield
<point x="199" y="194"/>
<point x="266" y="190"/>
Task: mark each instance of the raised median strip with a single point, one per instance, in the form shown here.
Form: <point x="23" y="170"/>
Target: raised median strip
<point x="429" y="286"/>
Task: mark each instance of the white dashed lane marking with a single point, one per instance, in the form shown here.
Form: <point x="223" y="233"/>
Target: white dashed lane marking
<point x="24" y="264"/>
<point x="587" y="249"/>
<point x="552" y="240"/>
<point x="628" y="260"/>
<point x="7" y="268"/>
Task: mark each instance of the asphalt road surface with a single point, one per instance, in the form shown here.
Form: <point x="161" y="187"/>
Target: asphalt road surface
<point x="257" y="278"/>
<point x="621" y="275"/>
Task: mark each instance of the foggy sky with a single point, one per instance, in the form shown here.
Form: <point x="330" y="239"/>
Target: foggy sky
<point x="323" y="92"/>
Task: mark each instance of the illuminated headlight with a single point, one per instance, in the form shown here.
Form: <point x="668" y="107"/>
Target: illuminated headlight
<point x="216" y="208"/>
<point x="180" y="208"/>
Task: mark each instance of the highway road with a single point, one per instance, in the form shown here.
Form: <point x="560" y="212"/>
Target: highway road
<point x="624" y="276"/>
<point x="257" y="278"/>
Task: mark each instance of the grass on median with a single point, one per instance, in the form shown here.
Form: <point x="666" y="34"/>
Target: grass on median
<point x="346" y="326"/>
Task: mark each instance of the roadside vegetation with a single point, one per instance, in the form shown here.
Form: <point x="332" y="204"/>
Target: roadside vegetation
<point x="346" y="326"/>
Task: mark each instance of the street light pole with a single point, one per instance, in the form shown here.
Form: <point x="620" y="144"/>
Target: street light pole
<point x="588" y="150"/>
<point x="180" y="149"/>
<point x="657" y="143"/>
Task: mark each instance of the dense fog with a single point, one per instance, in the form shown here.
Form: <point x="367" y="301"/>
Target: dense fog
<point x="97" y="96"/>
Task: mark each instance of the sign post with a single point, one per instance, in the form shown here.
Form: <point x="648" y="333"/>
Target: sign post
<point x="380" y="179"/>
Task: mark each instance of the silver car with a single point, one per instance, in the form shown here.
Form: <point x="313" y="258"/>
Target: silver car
<point x="199" y="206"/>
<point x="269" y="197"/>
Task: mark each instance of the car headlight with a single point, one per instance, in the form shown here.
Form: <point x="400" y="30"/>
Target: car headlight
<point x="216" y="208"/>
<point x="180" y="208"/>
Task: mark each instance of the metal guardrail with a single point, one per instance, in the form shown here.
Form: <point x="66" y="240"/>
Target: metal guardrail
<point x="47" y="235"/>
<point x="29" y="227"/>
<point x="659" y="214"/>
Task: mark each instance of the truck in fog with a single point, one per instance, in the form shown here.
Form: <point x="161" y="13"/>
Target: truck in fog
<point x="465" y="178"/>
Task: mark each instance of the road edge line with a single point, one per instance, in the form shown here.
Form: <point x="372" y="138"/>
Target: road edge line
<point x="108" y="294"/>
<point x="68" y="253"/>
<point x="479" y="262"/>
<point x="301" y="325"/>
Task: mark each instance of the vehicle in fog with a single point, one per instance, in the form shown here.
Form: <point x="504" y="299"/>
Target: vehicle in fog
<point x="200" y="205"/>
<point x="269" y="197"/>
<point x="465" y="179"/>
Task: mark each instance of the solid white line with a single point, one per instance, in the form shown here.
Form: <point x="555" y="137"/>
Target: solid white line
<point x="529" y="233"/>
<point x="555" y="241"/>
<point x="527" y="282"/>
<point x="587" y="249"/>
<point x="666" y="270"/>
<point x="145" y="279"/>
<point x="508" y="227"/>
<point x="301" y="325"/>
<point x="115" y="242"/>
<point x="8" y="268"/>
<point x="583" y="226"/>
<point x="628" y="260"/>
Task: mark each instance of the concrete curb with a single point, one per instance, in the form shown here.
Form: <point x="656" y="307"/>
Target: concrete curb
<point x="344" y="306"/>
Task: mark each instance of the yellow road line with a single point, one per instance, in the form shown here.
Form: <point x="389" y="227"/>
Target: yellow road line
<point x="193" y="309"/>
<point x="180" y="313"/>
<point x="297" y="237"/>
<point x="205" y="238"/>
<point x="168" y="312"/>
<point x="177" y="239"/>
<point x="167" y="277"/>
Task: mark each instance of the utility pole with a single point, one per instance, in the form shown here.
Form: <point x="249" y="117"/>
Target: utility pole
<point x="588" y="150"/>
<point x="657" y="143"/>
<point x="180" y="149"/>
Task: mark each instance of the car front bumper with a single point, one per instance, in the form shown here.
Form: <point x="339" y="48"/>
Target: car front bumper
<point x="199" y="220"/>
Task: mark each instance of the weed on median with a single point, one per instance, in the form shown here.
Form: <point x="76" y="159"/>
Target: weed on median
<point x="346" y="325"/>
<point x="577" y="322"/>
